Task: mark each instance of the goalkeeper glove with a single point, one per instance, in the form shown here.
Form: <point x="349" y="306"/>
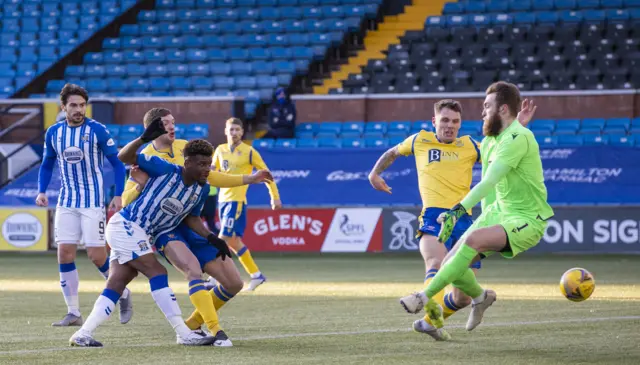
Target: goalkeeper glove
<point x="154" y="130"/>
<point x="448" y="221"/>
<point x="220" y="244"/>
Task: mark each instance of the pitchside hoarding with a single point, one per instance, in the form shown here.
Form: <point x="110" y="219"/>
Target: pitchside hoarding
<point x="585" y="230"/>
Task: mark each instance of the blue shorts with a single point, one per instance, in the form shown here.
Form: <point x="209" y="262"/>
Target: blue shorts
<point x="429" y="225"/>
<point x="199" y="246"/>
<point x="233" y="218"/>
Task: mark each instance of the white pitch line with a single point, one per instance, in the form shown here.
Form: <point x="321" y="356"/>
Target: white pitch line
<point x="338" y="333"/>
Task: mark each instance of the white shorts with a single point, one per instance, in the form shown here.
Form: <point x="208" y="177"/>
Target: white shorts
<point x="80" y="225"/>
<point x="127" y="240"/>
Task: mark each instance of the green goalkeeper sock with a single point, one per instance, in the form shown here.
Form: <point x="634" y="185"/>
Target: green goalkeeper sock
<point x="452" y="270"/>
<point x="468" y="284"/>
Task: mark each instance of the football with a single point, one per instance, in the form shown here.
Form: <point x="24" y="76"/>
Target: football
<point x="577" y="284"/>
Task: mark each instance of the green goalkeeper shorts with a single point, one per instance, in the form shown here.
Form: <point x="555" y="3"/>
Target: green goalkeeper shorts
<point x="523" y="232"/>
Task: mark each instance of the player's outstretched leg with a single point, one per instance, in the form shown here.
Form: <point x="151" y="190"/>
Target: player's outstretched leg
<point x="69" y="283"/>
<point x="126" y="303"/>
<point x="245" y="258"/>
<point x="120" y="276"/>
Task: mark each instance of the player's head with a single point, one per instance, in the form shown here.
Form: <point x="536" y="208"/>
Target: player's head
<point x="168" y="122"/>
<point x="501" y="105"/>
<point x="74" y="101"/>
<point x="197" y="160"/>
<point x="446" y="121"/>
<point x="233" y="130"/>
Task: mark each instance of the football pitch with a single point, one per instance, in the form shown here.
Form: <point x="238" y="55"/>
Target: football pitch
<point x="337" y="308"/>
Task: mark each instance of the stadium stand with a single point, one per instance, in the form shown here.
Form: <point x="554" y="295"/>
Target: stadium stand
<point x="620" y="132"/>
<point x="36" y="34"/>
<point x="218" y="48"/>
<point x="539" y="45"/>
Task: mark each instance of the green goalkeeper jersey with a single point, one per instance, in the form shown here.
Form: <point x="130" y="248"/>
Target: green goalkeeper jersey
<point x="522" y="190"/>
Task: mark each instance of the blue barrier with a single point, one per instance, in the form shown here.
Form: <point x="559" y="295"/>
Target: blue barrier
<point x="338" y="177"/>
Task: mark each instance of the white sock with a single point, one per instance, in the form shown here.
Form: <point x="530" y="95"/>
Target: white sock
<point x="168" y="304"/>
<point x="69" y="282"/>
<point x="102" y="309"/>
<point x="256" y="275"/>
<point x="479" y="299"/>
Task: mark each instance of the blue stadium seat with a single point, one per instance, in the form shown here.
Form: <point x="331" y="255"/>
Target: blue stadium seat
<point x="624" y="123"/>
<point x="595" y="140"/>
<point x="399" y="126"/>
<point x="329" y="142"/>
<point x="314" y="127"/>
<point x="570" y="140"/>
<point x="304" y="134"/>
<point x="326" y="134"/>
<point x="262" y="143"/>
<point x="306" y="143"/>
<point x="419" y="125"/>
<point x="352" y="143"/>
<point x="197" y="130"/>
<point x="357" y="127"/>
<point x="567" y="126"/>
<point x="621" y="140"/>
<point x="376" y="142"/>
<point x="285" y="143"/>
<point x="114" y="130"/>
<point x="547" y="141"/>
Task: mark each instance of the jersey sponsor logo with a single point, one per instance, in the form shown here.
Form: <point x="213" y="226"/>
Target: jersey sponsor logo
<point x="171" y="206"/>
<point x="514" y="135"/>
<point x="436" y="155"/>
<point x="111" y="142"/>
<point x="73" y="155"/>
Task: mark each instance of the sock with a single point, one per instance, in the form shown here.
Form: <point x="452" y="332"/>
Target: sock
<point x="104" y="269"/>
<point x="204" y="306"/>
<point x="469" y="285"/>
<point x="102" y="309"/>
<point x="168" y="304"/>
<point x="439" y="297"/>
<point x="452" y="270"/>
<point x="247" y="262"/>
<point x="220" y="297"/>
<point x="69" y="282"/>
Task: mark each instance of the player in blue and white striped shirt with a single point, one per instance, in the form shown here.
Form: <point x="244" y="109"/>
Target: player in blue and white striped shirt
<point x="79" y="145"/>
<point x="173" y="194"/>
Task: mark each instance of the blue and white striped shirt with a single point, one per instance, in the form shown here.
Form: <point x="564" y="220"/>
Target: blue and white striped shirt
<point x="80" y="153"/>
<point x="165" y="200"/>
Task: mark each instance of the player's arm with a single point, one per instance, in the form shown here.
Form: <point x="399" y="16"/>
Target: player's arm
<point x="256" y="161"/>
<point x="131" y="192"/>
<point x="508" y="157"/>
<point x="405" y="148"/>
<point x="46" y="169"/>
<point x="108" y="147"/>
<point x="194" y="222"/>
<point x="216" y="160"/>
<point x="222" y="180"/>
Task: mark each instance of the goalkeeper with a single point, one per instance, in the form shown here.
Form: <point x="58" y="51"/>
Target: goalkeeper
<point x="513" y="223"/>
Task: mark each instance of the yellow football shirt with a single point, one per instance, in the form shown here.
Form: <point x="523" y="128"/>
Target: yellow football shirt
<point x="240" y="160"/>
<point x="445" y="170"/>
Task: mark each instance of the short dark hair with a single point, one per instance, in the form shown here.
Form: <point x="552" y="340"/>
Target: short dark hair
<point x="235" y="121"/>
<point x="449" y="104"/>
<point x="198" y="147"/>
<point x="72" y="89"/>
<point x="153" y="114"/>
<point x="506" y="93"/>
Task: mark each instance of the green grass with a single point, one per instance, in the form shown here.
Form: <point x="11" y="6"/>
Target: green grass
<point x="324" y="309"/>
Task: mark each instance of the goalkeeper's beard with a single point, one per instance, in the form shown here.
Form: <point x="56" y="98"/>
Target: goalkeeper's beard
<point x="492" y="125"/>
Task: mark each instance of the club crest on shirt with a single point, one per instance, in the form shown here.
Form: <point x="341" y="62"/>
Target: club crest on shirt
<point x="171" y="206"/>
<point x="73" y="155"/>
<point x="225" y="165"/>
<point x="85" y="138"/>
<point x="459" y="143"/>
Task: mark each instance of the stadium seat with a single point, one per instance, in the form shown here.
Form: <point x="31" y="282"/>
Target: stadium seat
<point x="621" y="140"/>
<point x="352" y="143"/>
<point x="306" y="143"/>
<point x="567" y="140"/>
<point x="595" y="140"/>
<point x="262" y="143"/>
<point x="374" y="142"/>
<point x="285" y="143"/>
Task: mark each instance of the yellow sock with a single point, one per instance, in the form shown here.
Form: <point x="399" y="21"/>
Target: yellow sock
<point x="204" y="306"/>
<point x="439" y="298"/>
<point x="247" y="261"/>
<point x="219" y="296"/>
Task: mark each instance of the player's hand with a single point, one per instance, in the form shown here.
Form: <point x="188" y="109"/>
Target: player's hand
<point x="154" y="130"/>
<point x="276" y="204"/>
<point x="448" y="220"/>
<point x="527" y="112"/>
<point x="138" y="175"/>
<point x="378" y="183"/>
<point x="42" y="200"/>
<point x="116" y="203"/>
<point x="261" y="176"/>
<point x="220" y="244"/>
